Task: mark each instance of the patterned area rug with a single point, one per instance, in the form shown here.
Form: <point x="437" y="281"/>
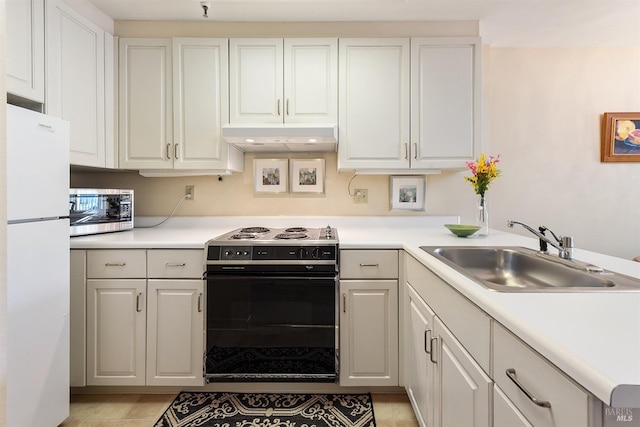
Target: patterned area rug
<point x="196" y="409"/>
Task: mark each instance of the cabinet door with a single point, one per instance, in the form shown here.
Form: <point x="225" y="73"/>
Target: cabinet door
<point x="310" y="80"/>
<point x="25" y="49"/>
<point x="256" y="81"/>
<point x="175" y="332"/>
<point x="116" y="332"/>
<point x="505" y="413"/>
<point x="201" y="102"/>
<point x="445" y="101"/>
<point x="76" y="81"/>
<point x="369" y="332"/>
<point x="462" y="388"/>
<point x="420" y="369"/>
<point x="373" y="103"/>
<point x="146" y="114"/>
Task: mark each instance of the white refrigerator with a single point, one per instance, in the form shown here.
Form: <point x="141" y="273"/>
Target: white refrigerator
<point x="37" y="269"/>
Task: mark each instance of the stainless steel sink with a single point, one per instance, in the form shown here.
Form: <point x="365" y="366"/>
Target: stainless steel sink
<point x="518" y="269"/>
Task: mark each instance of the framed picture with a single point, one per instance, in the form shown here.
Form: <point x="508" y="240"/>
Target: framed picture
<point x="408" y="193"/>
<point x="307" y="176"/>
<point x="620" y="137"/>
<point x="270" y="175"/>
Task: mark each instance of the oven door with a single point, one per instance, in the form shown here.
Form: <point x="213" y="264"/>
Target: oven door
<point x="262" y="328"/>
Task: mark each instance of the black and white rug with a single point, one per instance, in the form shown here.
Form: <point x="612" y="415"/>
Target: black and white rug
<point x="203" y="409"/>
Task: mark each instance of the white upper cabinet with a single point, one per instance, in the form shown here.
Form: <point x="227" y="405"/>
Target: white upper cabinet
<point x="173" y="103"/>
<point x="386" y="84"/>
<point x="373" y="103"/>
<point x="77" y="83"/>
<point x="25" y="49"/>
<point x="445" y="102"/>
<point x="275" y="81"/>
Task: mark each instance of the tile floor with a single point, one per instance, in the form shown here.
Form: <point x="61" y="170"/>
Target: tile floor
<point x="142" y="410"/>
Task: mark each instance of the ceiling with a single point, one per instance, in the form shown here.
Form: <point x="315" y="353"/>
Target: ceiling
<point x="502" y="22"/>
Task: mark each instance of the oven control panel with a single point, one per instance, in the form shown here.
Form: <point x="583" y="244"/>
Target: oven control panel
<point x="273" y="253"/>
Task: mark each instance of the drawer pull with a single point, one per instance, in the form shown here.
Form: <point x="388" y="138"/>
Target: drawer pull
<point x="368" y="265"/>
<point x="139" y="302"/>
<point x="200" y="302"/>
<point x="115" y="264"/>
<point x="175" y="264"/>
<point x="511" y="373"/>
<point x="427" y="339"/>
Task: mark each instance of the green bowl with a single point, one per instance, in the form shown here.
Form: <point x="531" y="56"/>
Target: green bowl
<point x="461" y="230"/>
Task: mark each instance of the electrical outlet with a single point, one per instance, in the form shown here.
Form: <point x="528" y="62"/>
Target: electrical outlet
<point x="361" y="196"/>
<point x="190" y="192"/>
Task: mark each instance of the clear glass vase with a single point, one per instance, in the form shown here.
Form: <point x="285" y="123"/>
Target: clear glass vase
<point x="483" y="217"/>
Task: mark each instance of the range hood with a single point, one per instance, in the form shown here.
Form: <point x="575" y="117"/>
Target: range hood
<point x="282" y="138"/>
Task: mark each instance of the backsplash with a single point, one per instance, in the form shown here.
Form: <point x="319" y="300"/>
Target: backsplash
<point x="234" y="194"/>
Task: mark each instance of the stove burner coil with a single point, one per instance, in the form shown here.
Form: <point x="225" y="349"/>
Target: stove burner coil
<point x="258" y="230"/>
<point x="243" y="236"/>
<point x="290" y="236"/>
<point x="296" y="230"/>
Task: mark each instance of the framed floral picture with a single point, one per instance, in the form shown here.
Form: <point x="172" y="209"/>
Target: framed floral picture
<point x="270" y="175"/>
<point x="307" y="176"/>
<point x="408" y="193"/>
<point x="620" y="137"/>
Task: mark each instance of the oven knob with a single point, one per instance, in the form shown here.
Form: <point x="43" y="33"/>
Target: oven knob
<point x="238" y="253"/>
<point x="316" y="253"/>
<point x="302" y="253"/>
<point x="227" y="253"/>
<point x="245" y="253"/>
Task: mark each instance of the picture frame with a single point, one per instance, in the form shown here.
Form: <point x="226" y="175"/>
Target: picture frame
<point x="408" y="193"/>
<point x="270" y="175"/>
<point x="307" y="175"/>
<point x="620" y="137"/>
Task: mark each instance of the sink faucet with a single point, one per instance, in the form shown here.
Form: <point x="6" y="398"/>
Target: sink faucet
<point x="564" y="244"/>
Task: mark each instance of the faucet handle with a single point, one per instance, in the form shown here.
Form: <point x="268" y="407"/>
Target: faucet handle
<point x="566" y="241"/>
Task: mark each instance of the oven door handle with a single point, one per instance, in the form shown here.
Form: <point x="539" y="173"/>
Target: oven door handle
<point x="261" y="277"/>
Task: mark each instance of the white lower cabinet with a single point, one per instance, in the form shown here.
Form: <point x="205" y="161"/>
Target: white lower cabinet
<point x="116" y="331"/>
<point x="445" y="384"/>
<point x="462" y="388"/>
<point x="551" y="399"/>
<point x="174" y="332"/>
<point x="369" y="318"/>
<point x="369" y="332"/>
<point x="144" y="328"/>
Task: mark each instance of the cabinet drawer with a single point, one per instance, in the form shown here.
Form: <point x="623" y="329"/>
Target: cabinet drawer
<point x="172" y="263"/>
<point x="569" y="404"/>
<point x="117" y="264"/>
<point x="368" y="264"/>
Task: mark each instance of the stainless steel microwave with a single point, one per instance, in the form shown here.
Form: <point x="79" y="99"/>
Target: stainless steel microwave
<point x="93" y="211"/>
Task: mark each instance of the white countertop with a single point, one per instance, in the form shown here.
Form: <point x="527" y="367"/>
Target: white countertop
<point x="593" y="337"/>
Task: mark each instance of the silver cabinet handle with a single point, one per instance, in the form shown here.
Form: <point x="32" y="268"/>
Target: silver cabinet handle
<point x="368" y="265"/>
<point x="175" y="151"/>
<point x="278" y="106"/>
<point x="115" y="264"/>
<point x="139" y="302"/>
<point x="427" y="340"/>
<point x="287" y="107"/>
<point x="46" y="127"/>
<point x="344" y="303"/>
<point x="511" y="373"/>
<point x="406" y="151"/>
<point x="168" y="151"/>
<point x="432" y="353"/>
<point x="175" y="264"/>
<point x="200" y="302"/>
<point x="415" y="150"/>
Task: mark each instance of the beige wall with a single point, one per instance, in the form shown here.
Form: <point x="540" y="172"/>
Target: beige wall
<point x="3" y="221"/>
<point x="542" y="109"/>
<point x="235" y="194"/>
